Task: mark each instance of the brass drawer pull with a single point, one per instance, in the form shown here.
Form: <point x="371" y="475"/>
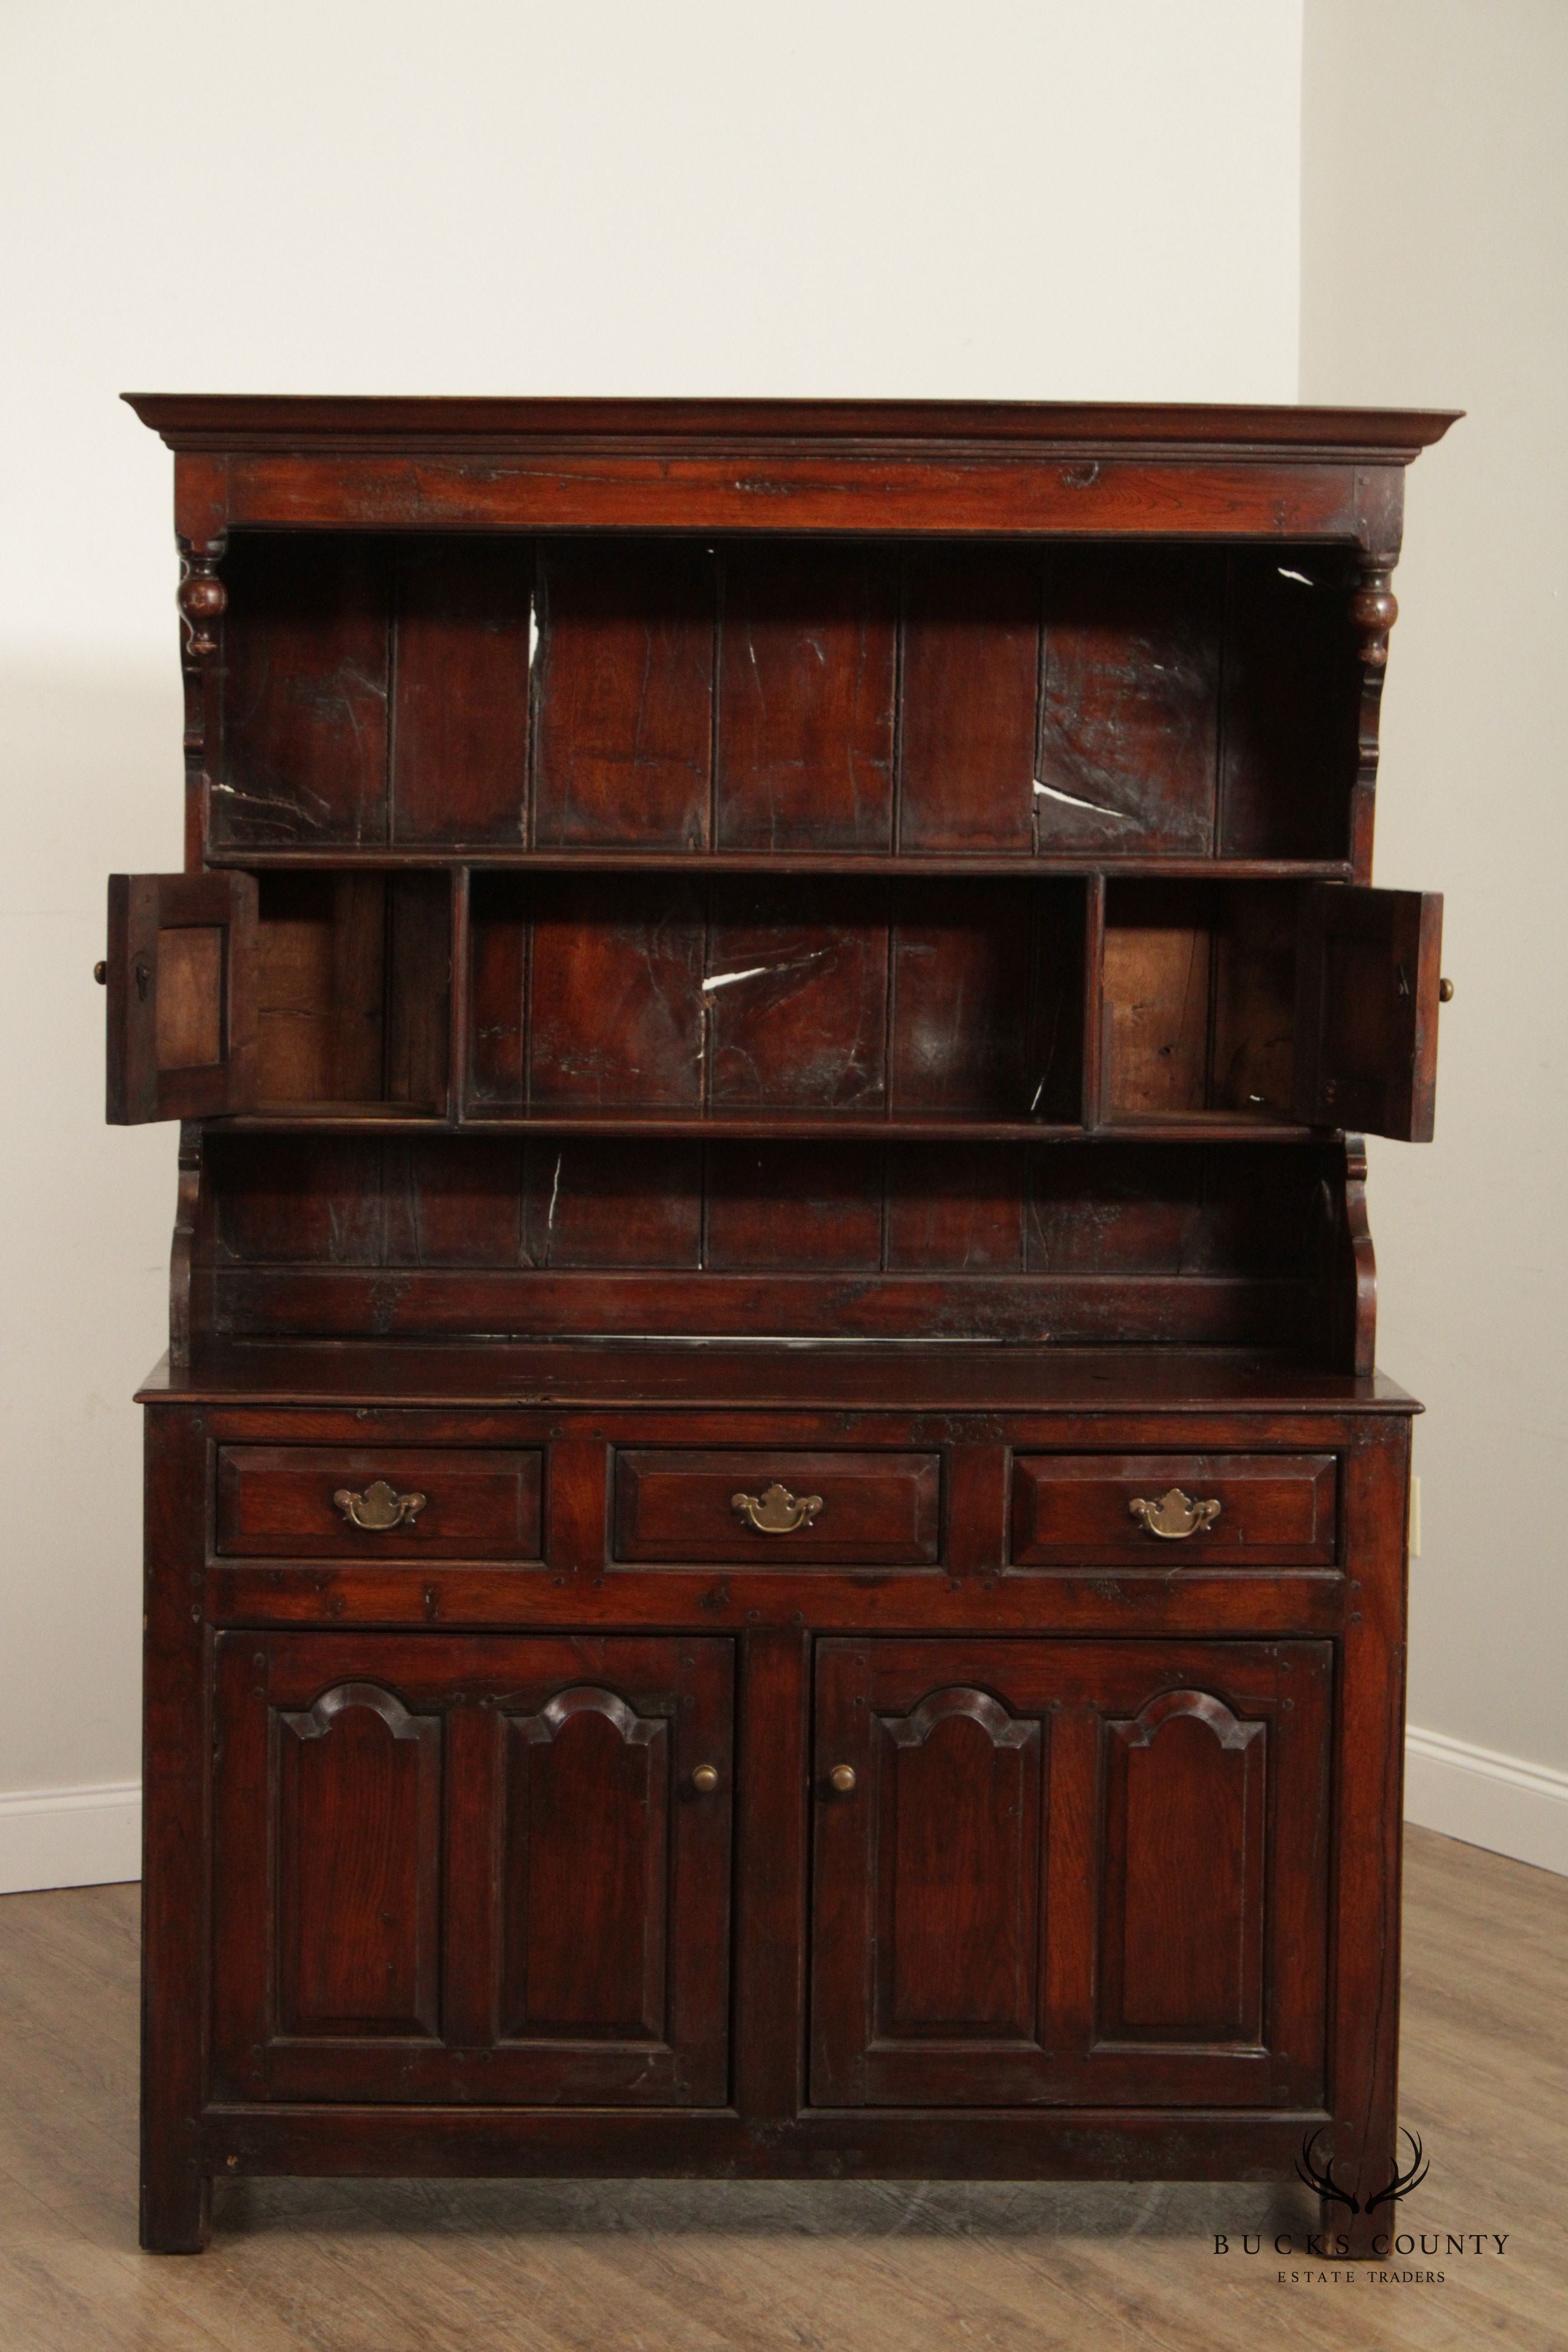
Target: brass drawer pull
<point x="842" y="1777"/>
<point x="1176" y="1516"/>
<point x="379" y="1507"/>
<point x="705" y="1779"/>
<point x="775" y="1511"/>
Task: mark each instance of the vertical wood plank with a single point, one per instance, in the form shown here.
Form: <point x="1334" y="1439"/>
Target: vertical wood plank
<point x="806" y="685"/>
<point x="306" y="694"/>
<point x="176" y="1762"/>
<point x="968" y="700"/>
<point x="625" y="691"/>
<point x="1369" y="1774"/>
<point x="459" y="690"/>
<point x="772" y="1773"/>
<point x="576" y="1506"/>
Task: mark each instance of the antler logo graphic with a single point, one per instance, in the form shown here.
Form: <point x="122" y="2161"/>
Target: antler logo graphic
<point x="1325" y="2184"/>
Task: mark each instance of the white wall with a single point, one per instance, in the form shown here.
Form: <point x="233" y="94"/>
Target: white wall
<point x="1034" y="198"/>
<point x="1436" y="271"/>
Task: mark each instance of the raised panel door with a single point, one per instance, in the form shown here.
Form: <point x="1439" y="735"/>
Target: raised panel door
<point x="1069" y="1871"/>
<point x="473" y="1868"/>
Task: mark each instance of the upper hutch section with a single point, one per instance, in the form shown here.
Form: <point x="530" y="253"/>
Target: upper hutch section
<point x="920" y="632"/>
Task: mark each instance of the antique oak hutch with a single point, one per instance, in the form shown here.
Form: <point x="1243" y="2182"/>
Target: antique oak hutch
<point x="773" y="1545"/>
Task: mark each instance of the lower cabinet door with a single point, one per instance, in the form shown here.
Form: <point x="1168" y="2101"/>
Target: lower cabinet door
<point x="1069" y="1871"/>
<point x="456" y="1868"/>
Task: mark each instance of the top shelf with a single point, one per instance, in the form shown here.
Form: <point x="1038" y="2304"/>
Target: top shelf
<point x="1018" y="866"/>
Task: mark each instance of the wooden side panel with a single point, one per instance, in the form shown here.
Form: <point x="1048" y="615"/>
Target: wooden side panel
<point x="624" y="742"/>
<point x="1199" y="993"/>
<point x="1130" y="707"/>
<point x="806" y="695"/>
<point x="359" y="1866"/>
<point x="460" y="691"/>
<point x="969" y="689"/>
<point x="308" y="672"/>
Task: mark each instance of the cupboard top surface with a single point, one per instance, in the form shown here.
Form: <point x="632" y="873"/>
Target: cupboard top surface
<point x="951" y="1377"/>
<point x="216" y="421"/>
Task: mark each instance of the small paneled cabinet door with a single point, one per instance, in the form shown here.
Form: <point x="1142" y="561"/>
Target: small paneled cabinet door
<point x="179" y="972"/>
<point x="1090" y="1872"/>
<point x="459" y="1869"/>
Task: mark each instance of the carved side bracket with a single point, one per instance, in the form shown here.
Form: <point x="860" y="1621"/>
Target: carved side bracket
<point x="182" y="1250"/>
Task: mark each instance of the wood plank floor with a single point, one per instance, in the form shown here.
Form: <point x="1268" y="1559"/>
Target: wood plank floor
<point x="682" y="2267"/>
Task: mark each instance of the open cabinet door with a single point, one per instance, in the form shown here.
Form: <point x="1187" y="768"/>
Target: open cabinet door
<point x="182" y="995"/>
<point x="1366" y="1009"/>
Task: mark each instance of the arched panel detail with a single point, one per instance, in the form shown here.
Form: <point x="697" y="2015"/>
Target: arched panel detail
<point x="358" y="1846"/>
<point x="1183" y="1923"/>
<point x="1200" y="1706"/>
<point x="588" y="1698"/>
<point x="319" y="1719"/>
<point x="978" y="1706"/>
<point x="587" y="1856"/>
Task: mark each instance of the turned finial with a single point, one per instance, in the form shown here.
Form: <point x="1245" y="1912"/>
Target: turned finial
<point x="202" y="599"/>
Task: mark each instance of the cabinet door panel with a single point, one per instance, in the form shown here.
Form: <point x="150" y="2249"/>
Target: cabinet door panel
<point x="359" y="1850"/>
<point x="1069" y="1871"/>
<point x="472" y="1868"/>
<point x="1366" y="1013"/>
<point x="180" y="975"/>
<point x="585" y="1862"/>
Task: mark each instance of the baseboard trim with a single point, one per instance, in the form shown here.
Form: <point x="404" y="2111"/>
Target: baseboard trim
<point x="70" y="1837"/>
<point x="92" y="1836"/>
<point x="1484" y="1798"/>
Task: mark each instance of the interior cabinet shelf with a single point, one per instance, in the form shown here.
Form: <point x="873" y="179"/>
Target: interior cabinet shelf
<point x="479" y="858"/>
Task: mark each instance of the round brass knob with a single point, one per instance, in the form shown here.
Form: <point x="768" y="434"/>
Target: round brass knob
<point x="100" y="973"/>
<point x="1445" y="992"/>
<point x="705" y="1779"/>
<point x="842" y="1777"/>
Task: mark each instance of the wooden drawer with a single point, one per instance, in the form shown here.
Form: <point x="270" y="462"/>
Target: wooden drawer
<point x="881" y="1508"/>
<point x="282" y="1501"/>
<point x="1274" y="1509"/>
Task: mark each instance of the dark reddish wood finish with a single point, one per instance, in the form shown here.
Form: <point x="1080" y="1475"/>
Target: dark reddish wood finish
<point x="1275" y="1508"/>
<point x="1047" y="1882"/>
<point x="734" y="944"/>
<point x="281" y="1501"/>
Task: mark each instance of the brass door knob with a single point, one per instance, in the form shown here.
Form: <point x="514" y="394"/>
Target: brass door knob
<point x="100" y="973"/>
<point x="1445" y="992"/>
<point x="842" y="1777"/>
<point x="705" y="1779"/>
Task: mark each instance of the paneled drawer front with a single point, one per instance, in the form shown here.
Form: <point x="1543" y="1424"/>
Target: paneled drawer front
<point x="1273" y="1509"/>
<point x="778" y="1509"/>
<point x="398" y="1502"/>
